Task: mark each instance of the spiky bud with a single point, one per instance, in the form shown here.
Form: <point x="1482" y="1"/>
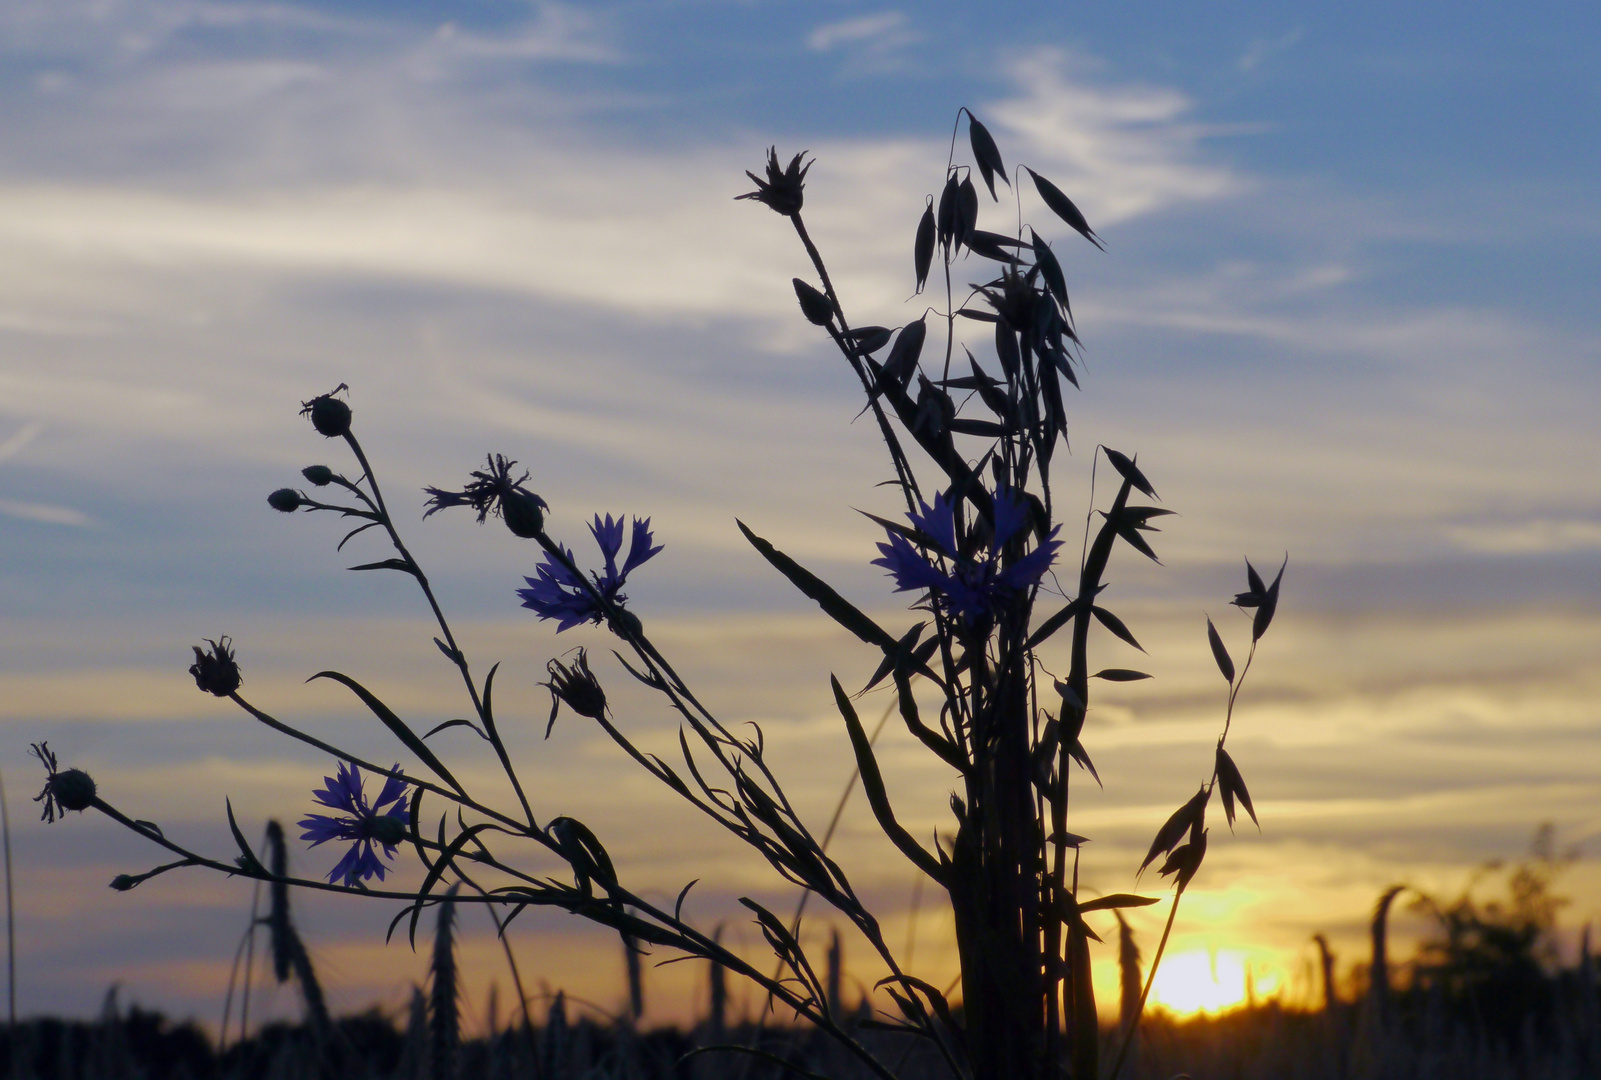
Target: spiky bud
<point x="318" y="475"/>
<point x="329" y="415"/>
<point x="285" y="500"/>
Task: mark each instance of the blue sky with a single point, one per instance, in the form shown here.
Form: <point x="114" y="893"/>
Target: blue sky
<point x="1346" y="311"/>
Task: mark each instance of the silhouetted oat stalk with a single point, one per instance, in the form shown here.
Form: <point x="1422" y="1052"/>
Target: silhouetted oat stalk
<point x="978" y="551"/>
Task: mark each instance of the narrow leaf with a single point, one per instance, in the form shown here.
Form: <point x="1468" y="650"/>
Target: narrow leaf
<point x="1233" y="784"/>
<point x="1063" y="208"/>
<point x="247" y="858"/>
<point x="923" y="248"/>
<point x="873" y="788"/>
<point x="987" y="154"/>
<point x="948" y="200"/>
<point x="454" y="723"/>
<point x="1224" y="663"/>
<point x="396" y="725"/>
<point x="835" y="606"/>
<point x="388" y="564"/>
<point x="1050" y="269"/>
<point x="1118" y="900"/>
<point x="967" y="207"/>
<point x="1117" y="674"/>
<point x="1130" y="471"/>
<point x="1116" y="626"/>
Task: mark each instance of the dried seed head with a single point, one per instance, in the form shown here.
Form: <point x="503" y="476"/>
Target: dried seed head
<point x="784" y="189"/>
<point x="215" y="671"/>
<point x="575" y="686"/>
<point x="318" y="475"/>
<point x="329" y="415"/>
<point x="64" y="789"/>
<point x="491" y="490"/>
<point x="285" y="500"/>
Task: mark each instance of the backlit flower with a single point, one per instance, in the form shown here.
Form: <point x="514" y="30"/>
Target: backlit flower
<point x="557" y="592"/>
<point x="364" y="826"/>
<point x="973" y="589"/>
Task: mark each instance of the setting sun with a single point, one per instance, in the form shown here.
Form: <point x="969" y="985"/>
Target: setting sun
<point x="1204" y="981"/>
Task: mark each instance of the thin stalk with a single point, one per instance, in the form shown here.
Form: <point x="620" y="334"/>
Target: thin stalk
<point x="1150" y="979"/>
<point x="250" y="963"/>
<point x="458" y="656"/>
<point x="11" y="921"/>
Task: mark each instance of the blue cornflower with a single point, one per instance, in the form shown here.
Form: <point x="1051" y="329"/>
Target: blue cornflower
<point x="367" y="825"/>
<point x="974" y="589"/>
<point x="559" y="593"/>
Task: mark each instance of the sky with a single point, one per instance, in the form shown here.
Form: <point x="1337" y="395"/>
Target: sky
<point x="1345" y="314"/>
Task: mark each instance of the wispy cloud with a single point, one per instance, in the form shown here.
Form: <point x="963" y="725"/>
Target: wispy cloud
<point x="16" y="442"/>
<point x="1128" y="148"/>
<point x="885" y="30"/>
<point x="45" y="513"/>
<point x="1263" y="49"/>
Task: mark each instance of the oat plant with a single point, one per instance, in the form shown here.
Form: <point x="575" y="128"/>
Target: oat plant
<point x="971" y="402"/>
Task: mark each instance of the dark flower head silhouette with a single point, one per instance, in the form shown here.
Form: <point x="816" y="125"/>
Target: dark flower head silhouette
<point x="64" y="789"/>
<point x="215" y="670"/>
<point x="557" y="592"/>
<point x="492" y="490"/>
<point x="974" y="589"/>
<point x="784" y="189"/>
<point x="365" y="825"/>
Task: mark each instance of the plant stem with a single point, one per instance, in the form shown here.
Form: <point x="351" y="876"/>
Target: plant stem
<point x="1150" y="980"/>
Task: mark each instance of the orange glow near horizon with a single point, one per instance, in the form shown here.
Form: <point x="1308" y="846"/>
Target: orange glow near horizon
<point x="1209" y="981"/>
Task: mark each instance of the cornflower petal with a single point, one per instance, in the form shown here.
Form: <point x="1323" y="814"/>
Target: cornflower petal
<point x="910" y="570"/>
<point x="1011" y="512"/>
<point x="394" y="788"/>
<point x="609" y="535"/>
<point x="346" y="867"/>
<point x="640" y="546"/>
<point x="939" y="523"/>
<point x="1026" y="572"/>
<point x="319" y="828"/>
<point x="344" y="792"/>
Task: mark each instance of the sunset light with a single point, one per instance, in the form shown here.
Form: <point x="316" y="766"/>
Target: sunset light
<point x="1203" y="981"/>
<point x="928" y="541"/>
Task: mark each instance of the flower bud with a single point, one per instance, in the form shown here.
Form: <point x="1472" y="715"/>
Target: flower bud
<point x="329" y="415"/>
<point x="318" y="475"/>
<point x="576" y="687"/>
<point x="72" y="789"/>
<point x="285" y="500"/>
<point x="522" y="514"/>
<point x="216" y="672"/>
<point x="123" y="882"/>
